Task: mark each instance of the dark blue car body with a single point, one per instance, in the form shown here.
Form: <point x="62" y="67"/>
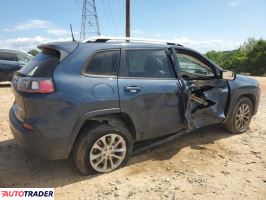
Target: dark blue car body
<point x="11" y="61"/>
<point x="149" y="107"/>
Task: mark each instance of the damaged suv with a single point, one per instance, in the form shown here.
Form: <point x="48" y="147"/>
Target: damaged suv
<point x="100" y="100"/>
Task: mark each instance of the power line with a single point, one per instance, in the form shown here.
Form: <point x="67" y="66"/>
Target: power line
<point x="89" y="24"/>
<point x="112" y="18"/>
<point x="121" y="17"/>
<point x="127" y="18"/>
<point x="76" y="1"/>
<point x="109" y="18"/>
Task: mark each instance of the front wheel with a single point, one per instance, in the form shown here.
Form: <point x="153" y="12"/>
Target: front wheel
<point x="240" y="118"/>
<point x="102" y="149"/>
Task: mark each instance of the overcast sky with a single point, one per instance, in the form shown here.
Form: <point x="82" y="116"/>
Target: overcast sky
<point x="201" y="24"/>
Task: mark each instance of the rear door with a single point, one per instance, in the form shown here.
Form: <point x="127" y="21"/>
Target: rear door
<point x="150" y="92"/>
<point x="205" y="93"/>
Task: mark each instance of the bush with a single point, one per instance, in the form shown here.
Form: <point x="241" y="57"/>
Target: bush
<point x="249" y="58"/>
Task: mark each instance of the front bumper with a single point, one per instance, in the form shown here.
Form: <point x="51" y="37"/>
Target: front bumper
<point x="33" y="141"/>
<point x="257" y="101"/>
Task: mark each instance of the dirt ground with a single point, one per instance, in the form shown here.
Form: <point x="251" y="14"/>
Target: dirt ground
<point x="206" y="164"/>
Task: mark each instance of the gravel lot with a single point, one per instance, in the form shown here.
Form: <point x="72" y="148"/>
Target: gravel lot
<point x="206" y="164"/>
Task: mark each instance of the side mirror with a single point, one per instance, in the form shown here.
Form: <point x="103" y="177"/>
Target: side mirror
<point x="228" y="75"/>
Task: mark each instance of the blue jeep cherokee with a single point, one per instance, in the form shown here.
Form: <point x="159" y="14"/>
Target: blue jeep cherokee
<point x="101" y="99"/>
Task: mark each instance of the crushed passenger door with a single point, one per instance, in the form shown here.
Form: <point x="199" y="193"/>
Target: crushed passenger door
<point x="205" y="95"/>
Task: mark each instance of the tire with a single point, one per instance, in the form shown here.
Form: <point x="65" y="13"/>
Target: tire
<point x="234" y="124"/>
<point x="86" y="151"/>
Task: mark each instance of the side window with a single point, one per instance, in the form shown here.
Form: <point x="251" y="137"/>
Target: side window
<point x="148" y="64"/>
<point x="9" y="56"/>
<point x="104" y="63"/>
<point x="191" y="67"/>
<point x="23" y="58"/>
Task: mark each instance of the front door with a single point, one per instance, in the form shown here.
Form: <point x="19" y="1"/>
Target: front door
<point x="150" y="92"/>
<point x="205" y="93"/>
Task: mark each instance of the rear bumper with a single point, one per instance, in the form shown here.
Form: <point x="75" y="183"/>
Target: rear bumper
<point x="35" y="142"/>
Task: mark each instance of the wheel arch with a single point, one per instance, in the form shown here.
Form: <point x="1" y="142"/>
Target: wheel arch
<point x="252" y="98"/>
<point x="233" y="102"/>
<point x="94" y="119"/>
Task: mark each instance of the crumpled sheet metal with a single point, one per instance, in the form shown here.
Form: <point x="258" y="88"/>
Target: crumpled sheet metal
<point x="197" y="116"/>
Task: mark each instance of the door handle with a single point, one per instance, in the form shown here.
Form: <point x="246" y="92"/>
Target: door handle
<point x="133" y="89"/>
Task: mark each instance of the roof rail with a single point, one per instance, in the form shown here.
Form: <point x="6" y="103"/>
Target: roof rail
<point x="128" y="39"/>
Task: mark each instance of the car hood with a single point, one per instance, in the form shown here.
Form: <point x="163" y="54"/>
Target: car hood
<point x="243" y="81"/>
<point x="247" y="80"/>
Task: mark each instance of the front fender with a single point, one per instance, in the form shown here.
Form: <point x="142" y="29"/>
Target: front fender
<point x="243" y="86"/>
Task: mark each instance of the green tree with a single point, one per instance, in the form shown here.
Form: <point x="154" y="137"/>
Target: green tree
<point x="249" y="57"/>
<point x="33" y="52"/>
<point x="257" y="58"/>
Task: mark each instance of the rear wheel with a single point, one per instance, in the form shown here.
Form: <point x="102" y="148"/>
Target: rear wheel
<point x="102" y="149"/>
<point x="240" y="118"/>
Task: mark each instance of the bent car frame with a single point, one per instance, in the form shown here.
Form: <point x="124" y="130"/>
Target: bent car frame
<point x="100" y="99"/>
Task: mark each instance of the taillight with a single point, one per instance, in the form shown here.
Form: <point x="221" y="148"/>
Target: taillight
<point x="35" y="85"/>
<point x="27" y="126"/>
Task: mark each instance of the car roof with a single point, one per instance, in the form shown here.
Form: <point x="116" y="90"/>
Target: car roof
<point x="12" y="51"/>
<point x="102" y="45"/>
<point x="69" y="46"/>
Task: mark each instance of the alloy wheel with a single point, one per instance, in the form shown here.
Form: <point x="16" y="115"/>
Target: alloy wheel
<point x="242" y="117"/>
<point x="108" y="152"/>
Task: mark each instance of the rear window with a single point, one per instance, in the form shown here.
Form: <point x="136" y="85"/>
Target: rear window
<point x="104" y="63"/>
<point x="42" y="65"/>
<point x="8" y="56"/>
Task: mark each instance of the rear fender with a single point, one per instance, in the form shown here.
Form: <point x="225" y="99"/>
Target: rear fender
<point x="83" y="119"/>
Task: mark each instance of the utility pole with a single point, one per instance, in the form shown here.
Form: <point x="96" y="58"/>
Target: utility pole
<point x="127" y="18"/>
<point x="89" y="23"/>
